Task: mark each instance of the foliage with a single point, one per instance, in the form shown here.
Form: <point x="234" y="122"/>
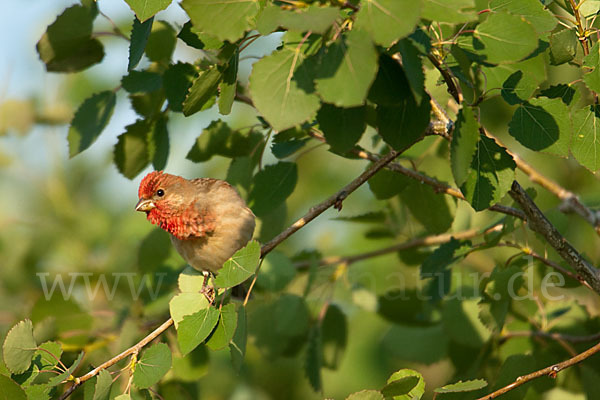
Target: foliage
<point x="468" y="92"/>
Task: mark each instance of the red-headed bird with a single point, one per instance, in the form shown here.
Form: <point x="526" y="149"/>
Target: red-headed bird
<point x="207" y="219"/>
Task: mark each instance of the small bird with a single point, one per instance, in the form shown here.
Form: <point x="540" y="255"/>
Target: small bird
<point x="207" y="219"/>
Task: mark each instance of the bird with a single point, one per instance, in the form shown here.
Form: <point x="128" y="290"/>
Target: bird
<point x="207" y="219"/>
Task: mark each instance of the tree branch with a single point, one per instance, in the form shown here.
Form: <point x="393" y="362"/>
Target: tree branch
<point x="538" y="222"/>
<point x="550" y="371"/>
<point x="333" y="201"/>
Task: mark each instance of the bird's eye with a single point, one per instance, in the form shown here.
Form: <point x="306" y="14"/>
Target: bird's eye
<point x="160" y="193"/>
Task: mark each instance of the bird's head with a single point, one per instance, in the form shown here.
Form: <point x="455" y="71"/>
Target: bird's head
<point x="162" y="196"/>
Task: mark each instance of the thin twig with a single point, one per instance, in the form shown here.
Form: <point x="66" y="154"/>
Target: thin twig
<point x="419" y="242"/>
<point x="538" y="222"/>
<point x="548" y="262"/>
<point x="550" y="371"/>
<point x="333" y="201"/>
<point x="438" y="187"/>
<point x="132" y="350"/>
<point x="453" y="89"/>
<point x="580" y="28"/>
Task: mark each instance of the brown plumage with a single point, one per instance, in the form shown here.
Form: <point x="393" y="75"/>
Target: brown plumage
<point x="207" y="219"/>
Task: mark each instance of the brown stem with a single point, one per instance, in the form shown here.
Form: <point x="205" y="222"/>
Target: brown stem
<point x="453" y="89"/>
<point x="132" y="350"/>
<point x="550" y="371"/>
<point x="538" y="222"/>
<point x="580" y="28"/>
<point x="333" y="201"/>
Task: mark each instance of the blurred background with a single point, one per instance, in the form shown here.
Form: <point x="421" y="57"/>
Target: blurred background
<point x="74" y="218"/>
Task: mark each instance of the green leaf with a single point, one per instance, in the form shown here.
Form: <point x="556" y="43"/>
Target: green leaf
<point x="10" y="390"/>
<point x="239" y="173"/>
<point x="405" y="307"/>
<point x="227" y="20"/>
<point x="386" y="184"/>
<point x="498" y="290"/>
<point x="161" y="42"/>
<point x="60" y="378"/>
<point x="532" y="10"/>
<point x="237" y="346"/>
<point x="145" y="9"/>
<point x="334" y="336"/>
<point x="131" y="150"/>
<point x="282" y="92"/>
<point x="542" y="124"/>
<point x="464" y="144"/>
<point x="154" y="364"/>
<point x="123" y="397"/>
<point x="48" y="354"/>
<point x="441" y="258"/>
<point x="147" y="105"/>
<point x="400" y="387"/>
<point x="228" y="86"/>
<point x="420" y="344"/>
<point x="563" y="46"/>
<point x="89" y="121"/>
<point x="226" y="327"/>
<point x="518" y="81"/>
<point x="191" y="36"/>
<point x="366" y="395"/>
<point x="585" y="142"/>
<point x="139" y="37"/>
<point x="451" y="11"/>
<point x="177" y="80"/>
<point x="515" y="365"/>
<point x="194" y="328"/>
<point x="19" y="347"/>
<point x="490" y="176"/>
<point x="434" y="212"/>
<point x="276" y="272"/>
<point x="388" y="20"/>
<point x="219" y="139"/>
<point x="591" y="61"/>
<point x="461" y="386"/>
<point x="417" y="392"/>
<point x="462" y="324"/>
<point x="158" y="142"/>
<point x="413" y="68"/>
<point x="283" y="150"/>
<point x="240" y="266"/>
<point x="507" y="38"/>
<point x="187" y="303"/>
<point x="342" y="127"/>
<point x="313" y="18"/>
<point x="103" y="384"/>
<point x="204" y="87"/>
<point x="190" y="280"/>
<point x="347" y="70"/>
<point x="403" y="125"/>
<point x="67" y="44"/>
<point x="272" y="186"/>
<point x="314" y="361"/>
<point x="566" y="93"/>
<point x="141" y="82"/>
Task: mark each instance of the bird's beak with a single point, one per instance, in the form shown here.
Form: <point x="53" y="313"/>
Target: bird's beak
<point x="144" y="205"/>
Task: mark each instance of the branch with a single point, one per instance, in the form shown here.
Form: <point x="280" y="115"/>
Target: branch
<point x="453" y="89"/>
<point x="333" y="201"/>
<point x="550" y="263"/>
<point x="570" y="201"/>
<point x="539" y="223"/>
<point x="132" y="350"/>
<point x="580" y="29"/>
<point x="437" y="186"/>
<point x="550" y="371"/>
<point x="419" y="242"/>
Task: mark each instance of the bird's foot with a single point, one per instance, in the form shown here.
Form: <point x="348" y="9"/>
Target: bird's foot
<point x="209" y="293"/>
